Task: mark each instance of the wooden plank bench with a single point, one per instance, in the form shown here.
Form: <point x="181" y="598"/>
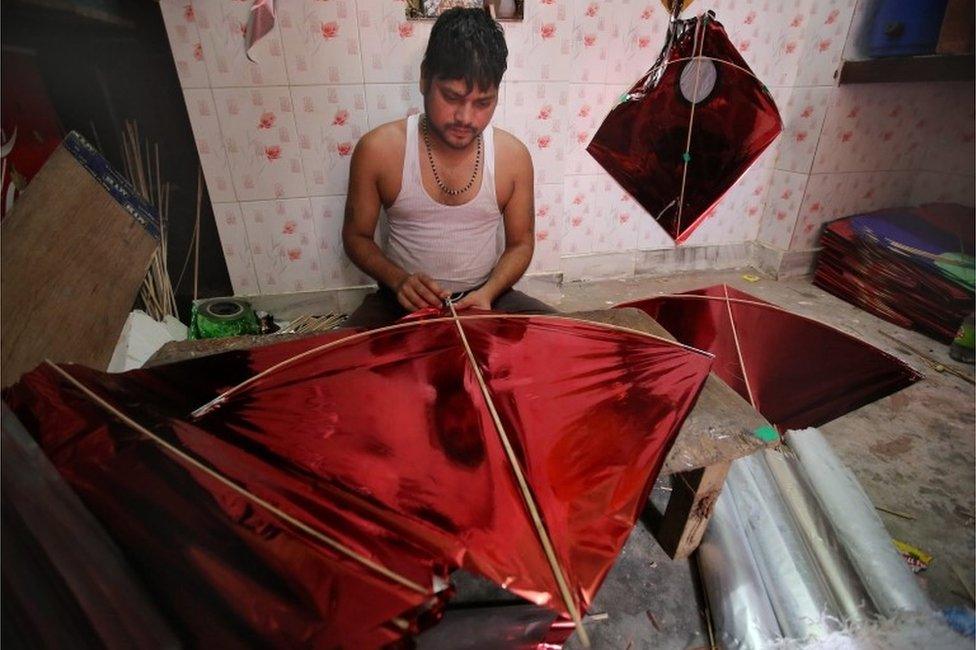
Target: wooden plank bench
<point x="718" y="430"/>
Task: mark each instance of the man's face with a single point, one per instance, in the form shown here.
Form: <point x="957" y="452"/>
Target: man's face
<point x="457" y="114"/>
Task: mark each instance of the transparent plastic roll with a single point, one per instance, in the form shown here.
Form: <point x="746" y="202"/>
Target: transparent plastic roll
<point x="822" y="541"/>
<point x="882" y="570"/>
<point x="803" y="604"/>
<point x="740" y="607"/>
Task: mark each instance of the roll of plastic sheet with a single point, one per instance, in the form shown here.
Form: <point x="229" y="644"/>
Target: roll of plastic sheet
<point x="822" y="541"/>
<point x="890" y="584"/>
<point x="804" y="606"/>
<point x="741" y="611"/>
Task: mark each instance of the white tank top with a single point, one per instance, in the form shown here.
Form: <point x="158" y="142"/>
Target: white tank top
<point x="457" y="245"/>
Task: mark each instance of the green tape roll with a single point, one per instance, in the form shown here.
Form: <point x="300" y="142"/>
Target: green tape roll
<point x="221" y="317"/>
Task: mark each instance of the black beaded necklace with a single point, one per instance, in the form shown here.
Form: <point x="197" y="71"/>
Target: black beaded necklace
<point x="437" y="178"/>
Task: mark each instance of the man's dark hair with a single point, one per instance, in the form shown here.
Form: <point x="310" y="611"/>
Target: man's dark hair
<point x="466" y="44"/>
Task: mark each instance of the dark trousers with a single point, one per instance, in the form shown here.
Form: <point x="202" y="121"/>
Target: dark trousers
<point x="381" y="308"/>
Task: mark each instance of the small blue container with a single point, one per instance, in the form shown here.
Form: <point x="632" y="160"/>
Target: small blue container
<point x="905" y="27"/>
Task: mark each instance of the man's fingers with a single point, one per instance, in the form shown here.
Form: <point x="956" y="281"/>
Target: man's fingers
<point x="410" y="299"/>
<point x="433" y="286"/>
<point x="427" y="295"/>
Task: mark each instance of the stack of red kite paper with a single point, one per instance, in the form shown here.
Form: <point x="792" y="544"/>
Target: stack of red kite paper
<point x="327" y="487"/>
<point x="912" y="267"/>
<point x="796" y="371"/>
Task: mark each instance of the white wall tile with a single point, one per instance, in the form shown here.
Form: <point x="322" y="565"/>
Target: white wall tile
<point x="321" y="41"/>
<point x="330" y="120"/>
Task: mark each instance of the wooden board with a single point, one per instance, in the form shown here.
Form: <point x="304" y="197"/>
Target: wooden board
<point x="72" y="260"/>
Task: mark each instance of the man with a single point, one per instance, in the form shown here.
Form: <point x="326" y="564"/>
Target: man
<point x="449" y="185"/>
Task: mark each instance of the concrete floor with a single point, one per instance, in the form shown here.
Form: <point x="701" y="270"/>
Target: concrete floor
<point x="913" y="452"/>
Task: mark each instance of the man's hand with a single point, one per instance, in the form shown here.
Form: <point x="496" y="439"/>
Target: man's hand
<point x="419" y="290"/>
<point x="478" y="299"/>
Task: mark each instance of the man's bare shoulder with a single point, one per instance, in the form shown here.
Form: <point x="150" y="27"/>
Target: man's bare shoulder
<point x="510" y="149"/>
<point x="383" y="142"/>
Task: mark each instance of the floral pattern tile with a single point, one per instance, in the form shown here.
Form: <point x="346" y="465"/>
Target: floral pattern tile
<point x="536" y="114"/>
<point x="330" y="120"/>
<point x="179" y="18"/>
<point x="738" y="214"/>
<point x="337" y="269"/>
<point x="261" y="141"/>
<point x="392" y="46"/>
<point x="786" y="191"/>
<point x="540" y="46"/>
<point x="618" y="216"/>
<point x="803" y="115"/>
<point x="548" y="228"/>
<point x="390" y="102"/>
<point x="637" y="33"/>
<point x="588" y="107"/>
<point x="321" y="41"/>
<point x="210" y="146"/>
<point x="221" y="25"/>
<point x="592" y="41"/>
<point x="582" y="214"/>
<point x="832" y="196"/>
<point x="284" y="245"/>
<point x="236" y="248"/>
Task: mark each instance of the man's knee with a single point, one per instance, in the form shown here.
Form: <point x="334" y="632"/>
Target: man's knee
<point x="516" y="302"/>
<point x="378" y="309"/>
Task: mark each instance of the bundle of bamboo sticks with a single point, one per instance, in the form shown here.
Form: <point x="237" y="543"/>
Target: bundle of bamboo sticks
<point x="142" y="168"/>
<point x="308" y="323"/>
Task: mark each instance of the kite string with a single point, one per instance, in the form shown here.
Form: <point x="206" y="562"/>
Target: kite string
<point x="686" y="157"/>
<point x="190" y="460"/>
<point x="523" y="485"/>
<point x="637" y="95"/>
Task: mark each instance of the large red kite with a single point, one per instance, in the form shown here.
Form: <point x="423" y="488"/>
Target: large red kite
<point x="329" y="485"/>
<point x="689" y="128"/>
<point x="796" y="371"/>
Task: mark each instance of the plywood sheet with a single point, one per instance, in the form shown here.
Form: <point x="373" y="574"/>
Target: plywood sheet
<point x="73" y="252"/>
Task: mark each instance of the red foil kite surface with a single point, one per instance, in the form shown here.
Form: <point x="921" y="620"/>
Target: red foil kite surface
<point x="689" y="128"/>
<point x="796" y="371"/>
<point x="321" y="497"/>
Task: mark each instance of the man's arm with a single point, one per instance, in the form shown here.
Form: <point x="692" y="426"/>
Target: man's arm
<point x="363" y="205"/>
<point x="519" y="216"/>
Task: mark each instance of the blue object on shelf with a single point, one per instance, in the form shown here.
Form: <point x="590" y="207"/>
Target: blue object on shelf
<point x="905" y="27"/>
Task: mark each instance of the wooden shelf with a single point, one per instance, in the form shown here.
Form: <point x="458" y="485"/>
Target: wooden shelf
<point x="908" y="69"/>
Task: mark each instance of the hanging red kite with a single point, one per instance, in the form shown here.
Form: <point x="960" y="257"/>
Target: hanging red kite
<point x="689" y="128"/>
<point x="796" y="371"/>
<point x="329" y="483"/>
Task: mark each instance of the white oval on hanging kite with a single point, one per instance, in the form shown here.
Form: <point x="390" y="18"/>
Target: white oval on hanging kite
<point x="698" y="79"/>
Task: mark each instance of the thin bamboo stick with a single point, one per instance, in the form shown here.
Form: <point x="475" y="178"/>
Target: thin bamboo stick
<point x="192" y="461"/>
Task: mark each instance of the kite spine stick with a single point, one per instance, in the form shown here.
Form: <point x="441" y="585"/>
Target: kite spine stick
<point x="738" y="348"/>
<point x="691" y="120"/>
<point x="196" y="464"/>
<point x="524" y="487"/>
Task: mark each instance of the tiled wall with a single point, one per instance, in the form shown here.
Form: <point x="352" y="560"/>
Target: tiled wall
<point x="885" y="145"/>
<point x="856" y="148"/>
<point x="275" y="135"/>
